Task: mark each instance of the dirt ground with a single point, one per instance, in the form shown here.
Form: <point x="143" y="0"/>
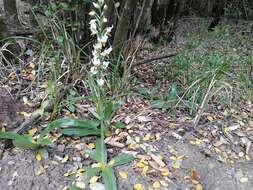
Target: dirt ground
<point x="19" y="170"/>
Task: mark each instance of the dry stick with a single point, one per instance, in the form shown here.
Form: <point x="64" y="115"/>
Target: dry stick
<point x="145" y="61"/>
<point x="201" y="108"/>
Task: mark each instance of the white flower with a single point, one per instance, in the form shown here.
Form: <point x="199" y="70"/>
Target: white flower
<point x="93" y="21"/>
<point x="105" y="20"/>
<point x="92" y="13"/>
<point x="101" y="82"/>
<point x="103" y="39"/>
<point x="96" y="61"/>
<point x="106" y="52"/>
<point x="93" y="27"/>
<point x="93" y="70"/>
<point x="108" y="30"/>
<point x="101" y="1"/>
<point x="98" y="46"/>
<point x="106" y="64"/>
<point x="96" y="5"/>
<point x="117" y="4"/>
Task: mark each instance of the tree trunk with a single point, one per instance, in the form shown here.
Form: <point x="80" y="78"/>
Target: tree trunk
<point x="122" y="29"/>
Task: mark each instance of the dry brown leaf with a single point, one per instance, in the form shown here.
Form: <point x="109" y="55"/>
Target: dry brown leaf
<point x="113" y="142"/>
<point x="158" y="160"/>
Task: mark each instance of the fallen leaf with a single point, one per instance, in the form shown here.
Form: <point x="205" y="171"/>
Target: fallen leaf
<point x="158" y="160"/>
<point x="156" y="185"/>
<point x="113" y="142"/>
<point x="38" y="156"/>
<point x="196" y="142"/>
<point x="65" y="159"/>
<point x="31" y="132"/>
<point x="166" y="174"/>
<point x="176" y="165"/>
<point x="164" y="183"/>
<point x="138" y="186"/>
<point x="123" y="174"/>
<point x="147" y="137"/>
<point x="91" y="145"/>
<point x="198" y="187"/>
<point x="144" y="170"/>
<point x="195" y="175"/>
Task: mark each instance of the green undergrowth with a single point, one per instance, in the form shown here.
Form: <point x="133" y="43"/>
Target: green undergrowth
<point x="223" y="56"/>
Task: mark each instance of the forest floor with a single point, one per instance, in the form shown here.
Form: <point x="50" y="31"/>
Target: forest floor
<point x="170" y="153"/>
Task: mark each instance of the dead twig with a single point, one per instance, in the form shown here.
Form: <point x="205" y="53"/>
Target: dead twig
<point x="202" y="106"/>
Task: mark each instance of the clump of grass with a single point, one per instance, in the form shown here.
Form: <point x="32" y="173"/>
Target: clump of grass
<point x="220" y="57"/>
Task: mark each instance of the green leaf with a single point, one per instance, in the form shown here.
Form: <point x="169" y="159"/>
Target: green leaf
<point x="123" y="159"/>
<point x="90" y="172"/>
<point x="160" y="104"/>
<point x="111" y="108"/>
<point x="95" y="114"/>
<point x="74" y="188"/>
<point x="81" y="123"/>
<point x="119" y="125"/>
<point x="80" y="132"/>
<point x="109" y="178"/>
<point x="100" y="153"/>
<point x="20" y="141"/>
<point x="44" y="141"/>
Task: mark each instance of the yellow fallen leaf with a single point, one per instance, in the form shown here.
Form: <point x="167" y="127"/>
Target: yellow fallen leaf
<point x="65" y="159"/>
<point x="196" y="141"/>
<point x="198" y="187"/>
<point x="196" y="182"/>
<point x="94" y="179"/>
<point x="156" y="184"/>
<point x="144" y="170"/>
<point x="123" y="174"/>
<point x="24" y="114"/>
<point x="91" y="145"/>
<point x="66" y="174"/>
<point x="38" y="156"/>
<point x="140" y="164"/>
<point x="137" y="139"/>
<point x="158" y="136"/>
<point x="147" y="137"/>
<point x="138" y="186"/>
<point x="166" y="174"/>
<point x="210" y="118"/>
<point x="176" y="165"/>
<point x="180" y="157"/>
<point x="31" y="132"/>
<point x="133" y="146"/>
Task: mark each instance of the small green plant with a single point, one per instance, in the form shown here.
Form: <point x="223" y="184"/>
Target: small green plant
<point x="105" y="106"/>
<point x="28" y="142"/>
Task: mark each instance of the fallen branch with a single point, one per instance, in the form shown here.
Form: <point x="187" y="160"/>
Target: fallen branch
<point x="145" y="61"/>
